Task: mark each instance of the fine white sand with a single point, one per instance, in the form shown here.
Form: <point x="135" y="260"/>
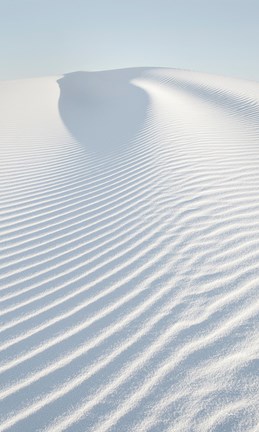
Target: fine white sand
<point x="129" y="252"/>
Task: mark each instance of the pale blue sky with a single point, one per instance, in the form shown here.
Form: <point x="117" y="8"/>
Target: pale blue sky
<point x="50" y="37"/>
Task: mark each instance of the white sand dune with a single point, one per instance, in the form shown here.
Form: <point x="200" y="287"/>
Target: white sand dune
<point x="129" y="252"/>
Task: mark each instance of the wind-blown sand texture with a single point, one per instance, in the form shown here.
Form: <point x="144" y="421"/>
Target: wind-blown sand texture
<point x="129" y="252"/>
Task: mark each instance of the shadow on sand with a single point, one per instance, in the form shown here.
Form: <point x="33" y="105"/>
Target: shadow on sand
<point x="103" y="110"/>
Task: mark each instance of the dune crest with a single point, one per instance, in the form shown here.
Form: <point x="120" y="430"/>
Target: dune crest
<point x="102" y="110"/>
<point x="129" y="251"/>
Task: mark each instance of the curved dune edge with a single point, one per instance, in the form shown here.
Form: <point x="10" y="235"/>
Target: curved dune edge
<point x="129" y="252"/>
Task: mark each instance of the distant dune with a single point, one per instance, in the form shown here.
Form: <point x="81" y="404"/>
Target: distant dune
<point x="129" y="252"/>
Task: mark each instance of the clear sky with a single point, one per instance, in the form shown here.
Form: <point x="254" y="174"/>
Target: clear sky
<point x="51" y="37"/>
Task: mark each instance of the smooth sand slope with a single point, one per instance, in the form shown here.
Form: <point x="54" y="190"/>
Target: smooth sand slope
<point x="129" y="253"/>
